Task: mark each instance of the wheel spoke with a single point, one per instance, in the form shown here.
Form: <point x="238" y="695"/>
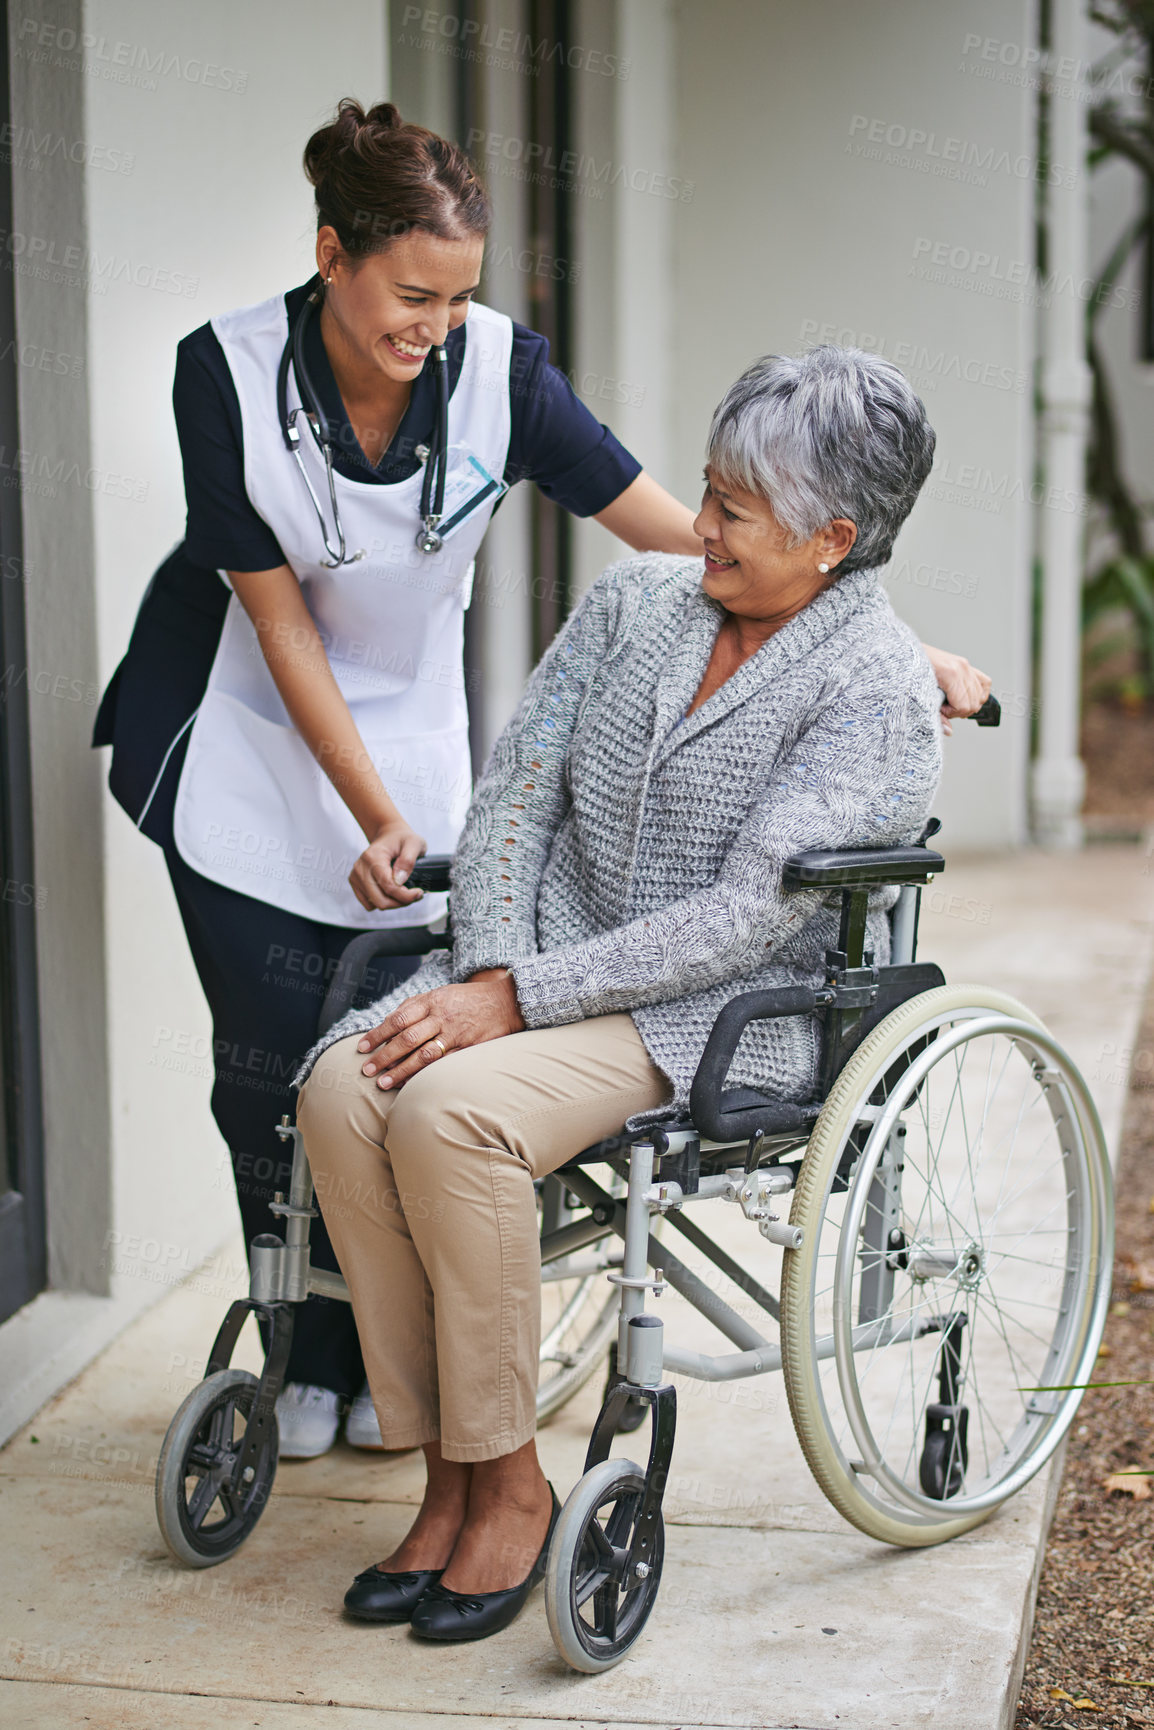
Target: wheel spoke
<point x="605" y="1611"/>
<point x="1022" y="1109"/>
<point x="1021" y="1369"/>
<point x="589" y="1583"/>
<point x="1028" y="1304"/>
<point x="201" y="1500"/>
<point x="950" y="1216"/>
<point x="959" y="1059"/>
<point x="977" y="1403"/>
<point x="1029" y="1183"/>
<point x="231" y="1502"/>
<point x="601" y="1543"/>
<point x="988" y="1295"/>
<point x="618" y="1525"/>
<point x="220" y="1425"/>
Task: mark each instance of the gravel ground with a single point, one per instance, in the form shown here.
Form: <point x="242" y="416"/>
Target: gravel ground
<point x="1093" y="1639"/>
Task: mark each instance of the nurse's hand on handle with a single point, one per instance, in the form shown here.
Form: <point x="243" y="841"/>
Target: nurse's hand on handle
<point x="384" y="866"/>
<point x="296" y="658"/>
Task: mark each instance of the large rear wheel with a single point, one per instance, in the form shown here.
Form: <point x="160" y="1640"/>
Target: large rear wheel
<point x="951" y="1291"/>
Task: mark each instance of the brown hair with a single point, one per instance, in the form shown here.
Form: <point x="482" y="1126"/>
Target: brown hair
<point x="377" y="177"/>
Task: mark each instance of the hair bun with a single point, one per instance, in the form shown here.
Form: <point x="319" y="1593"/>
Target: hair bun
<point x="377" y="177"/>
<point x="383" y="117"/>
<point x="350" y="129"/>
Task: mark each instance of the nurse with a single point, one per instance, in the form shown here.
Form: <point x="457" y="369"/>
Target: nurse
<point x="289" y="723"/>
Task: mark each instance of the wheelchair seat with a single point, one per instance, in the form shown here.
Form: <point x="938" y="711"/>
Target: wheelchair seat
<point x="776" y="1117"/>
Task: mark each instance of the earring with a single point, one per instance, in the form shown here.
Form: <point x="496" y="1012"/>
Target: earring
<point x="823" y="568"/>
<point x="328" y="279"/>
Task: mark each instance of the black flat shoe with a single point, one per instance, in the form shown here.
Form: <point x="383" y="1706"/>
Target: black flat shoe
<point x="375" y="1596"/>
<point x="443" y="1614"/>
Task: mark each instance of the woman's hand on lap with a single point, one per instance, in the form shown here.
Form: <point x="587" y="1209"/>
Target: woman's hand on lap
<point x="450" y="1018"/>
<point x="379" y="875"/>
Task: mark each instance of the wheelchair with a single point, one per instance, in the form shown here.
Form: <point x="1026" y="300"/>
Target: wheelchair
<point x="944" y="1280"/>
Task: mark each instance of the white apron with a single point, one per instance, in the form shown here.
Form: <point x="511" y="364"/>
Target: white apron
<point x="254" y="810"/>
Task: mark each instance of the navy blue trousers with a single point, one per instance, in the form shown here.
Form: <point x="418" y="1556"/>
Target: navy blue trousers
<point x="265" y="973"/>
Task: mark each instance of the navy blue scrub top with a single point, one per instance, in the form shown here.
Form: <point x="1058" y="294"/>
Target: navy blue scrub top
<point x="554" y="440"/>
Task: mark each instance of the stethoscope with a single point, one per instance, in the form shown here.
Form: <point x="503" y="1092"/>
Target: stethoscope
<point x="434" y="456"/>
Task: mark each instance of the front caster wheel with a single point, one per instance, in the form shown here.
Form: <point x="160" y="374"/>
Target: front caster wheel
<point x="942" y="1467"/>
<point x="202" y="1517"/>
<point x="598" y="1595"/>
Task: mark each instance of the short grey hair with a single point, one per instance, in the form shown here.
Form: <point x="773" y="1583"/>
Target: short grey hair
<point x="834" y="433"/>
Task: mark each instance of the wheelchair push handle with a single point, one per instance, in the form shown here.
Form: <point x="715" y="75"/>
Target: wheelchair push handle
<point x="989" y="715"/>
<point x="431" y="872"/>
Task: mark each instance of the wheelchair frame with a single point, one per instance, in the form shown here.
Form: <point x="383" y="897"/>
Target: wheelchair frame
<point x="731" y="1147"/>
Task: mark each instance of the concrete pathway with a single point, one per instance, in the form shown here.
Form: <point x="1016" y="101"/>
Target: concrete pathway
<point x="772" y="1612"/>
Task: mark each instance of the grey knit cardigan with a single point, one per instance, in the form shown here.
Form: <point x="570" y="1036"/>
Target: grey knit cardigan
<point x="620" y="855"/>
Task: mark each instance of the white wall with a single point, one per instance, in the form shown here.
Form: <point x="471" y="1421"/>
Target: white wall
<point x="794" y="236"/>
<point x="217" y="203"/>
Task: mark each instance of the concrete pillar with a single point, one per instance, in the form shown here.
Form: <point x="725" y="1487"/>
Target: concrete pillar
<point x="646" y="143"/>
<point x="1058" y="776"/>
<point x="501" y="620"/>
<point x="624" y="242"/>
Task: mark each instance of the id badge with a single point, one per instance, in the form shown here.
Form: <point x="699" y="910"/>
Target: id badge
<point x="468" y="485"/>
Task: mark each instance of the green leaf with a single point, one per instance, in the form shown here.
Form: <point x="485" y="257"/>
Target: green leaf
<point x="1069" y="1387"/>
<point x="1135" y="579"/>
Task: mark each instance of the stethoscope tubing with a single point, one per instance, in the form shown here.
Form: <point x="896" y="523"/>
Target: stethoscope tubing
<point x="436" y="455"/>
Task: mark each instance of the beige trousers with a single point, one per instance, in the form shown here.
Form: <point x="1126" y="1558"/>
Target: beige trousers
<point x="428" y="1196"/>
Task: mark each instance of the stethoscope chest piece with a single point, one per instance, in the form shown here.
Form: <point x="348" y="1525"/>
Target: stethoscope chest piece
<point x="428" y="540"/>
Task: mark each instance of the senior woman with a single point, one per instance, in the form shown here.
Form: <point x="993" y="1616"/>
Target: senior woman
<point x="617" y="881"/>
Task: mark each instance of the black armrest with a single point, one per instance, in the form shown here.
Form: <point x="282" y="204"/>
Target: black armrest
<point x="355" y="958"/>
<point x="711" y="1116"/>
<point x="734" y="1114"/>
<point x="858" y="867"/>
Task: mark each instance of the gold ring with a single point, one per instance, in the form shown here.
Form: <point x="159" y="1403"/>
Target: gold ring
<point x="441" y="1043"/>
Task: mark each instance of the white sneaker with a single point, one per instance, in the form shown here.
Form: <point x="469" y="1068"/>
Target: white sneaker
<point x="308" y="1419"/>
<point x="361" y="1427"/>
